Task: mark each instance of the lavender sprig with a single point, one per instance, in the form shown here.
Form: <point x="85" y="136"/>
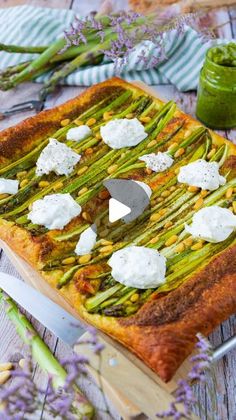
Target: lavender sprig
<point x="126" y="30"/>
<point x="184" y="394"/>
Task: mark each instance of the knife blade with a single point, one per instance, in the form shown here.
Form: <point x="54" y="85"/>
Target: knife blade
<point x="51" y="315"/>
<point x="65" y="327"/>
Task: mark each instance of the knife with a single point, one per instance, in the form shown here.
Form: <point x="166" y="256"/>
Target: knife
<point x="64" y="326"/>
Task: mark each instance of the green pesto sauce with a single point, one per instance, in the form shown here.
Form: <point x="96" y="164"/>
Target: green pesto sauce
<point x="216" y="102"/>
<point x="224" y="55"/>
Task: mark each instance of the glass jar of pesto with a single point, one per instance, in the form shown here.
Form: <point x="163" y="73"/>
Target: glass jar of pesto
<point x="216" y="99"/>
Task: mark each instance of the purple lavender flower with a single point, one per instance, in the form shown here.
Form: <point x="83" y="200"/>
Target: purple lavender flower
<point x="119" y="34"/>
<point x="184" y="394"/>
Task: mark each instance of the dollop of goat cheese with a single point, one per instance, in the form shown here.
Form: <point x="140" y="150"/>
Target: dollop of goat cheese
<point x="56" y="157"/>
<point x="86" y="241"/>
<point x="123" y="132"/>
<point x="157" y="162"/>
<point x="201" y="174"/>
<point x="78" y="133"/>
<point x="54" y="211"/>
<point x="8" y="186"/>
<point x="138" y="266"/>
<point x="213" y="224"/>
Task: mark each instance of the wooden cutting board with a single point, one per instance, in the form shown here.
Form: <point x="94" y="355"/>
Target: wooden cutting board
<point x="128" y="382"/>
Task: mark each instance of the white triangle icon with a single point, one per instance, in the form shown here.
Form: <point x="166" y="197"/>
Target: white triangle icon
<point x="117" y="210"/>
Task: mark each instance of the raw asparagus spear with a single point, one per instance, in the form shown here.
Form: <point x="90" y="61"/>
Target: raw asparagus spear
<point x="43" y="356"/>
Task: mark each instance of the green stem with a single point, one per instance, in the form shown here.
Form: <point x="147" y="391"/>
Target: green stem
<point x="22" y="49"/>
<point x="35" y="66"/>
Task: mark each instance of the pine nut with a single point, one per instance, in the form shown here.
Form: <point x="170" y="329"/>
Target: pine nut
<point x="148" y="171"/>
<point x="154" y="240"/>
<point x="107" y="248"/>
<point x="180" y="247"/>
<point x="171" y="240"/>
<point x="187" y="133"/>
<point x="211" y="153"/>
<point x="234" y="206"/>
<point x="151" y="144"/>
<point x="107" y="115"/>
<point x="91" y="121"/>
<point x="98" y="136"/>
<point x="172" y="146"/>
<point x="65" y="122"/>
<point x="112" y="169"/>
<point x="58" y="186"/>
<point x="6" y="366"/>
<point x="177" y="171"/>
<point x="85" y="258"/>
<point x="168" y="224"/>
<point x="21" y="174"/>
<point x="82" y="170"/>
<point x="22" y="363"/>
<point x="159" y="199"/>
<point x="173" y="188"/>
<point x="198" y="204"/>
<point x="78" y="122"/>
<point x="192" y="188"/>
<point x="204" y="193"/>
<point x="134" y="298"/>
<point x="229" y="192"/>
<point x="24" y="183"/>
<point x="83" y="191"/>
<point x="155" y="217"/>
<point x="106" y="242"/>
<point x="197" y="246"/>
<point x="4" y="376"/>
<point x="165" y="193"/>
<point x="179" y="152"/>
<point x="129" y="116"/>
<point x="86" y="216"/>
<point x="145" y="119"/>
<point x="162" y="212"/>
<point x="43" y="184"/>
<point x="188" y="241"/>
<point x="68" y="261"/>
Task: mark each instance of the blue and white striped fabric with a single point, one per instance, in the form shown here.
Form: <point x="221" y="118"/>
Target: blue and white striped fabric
<point x="28" y="25"/>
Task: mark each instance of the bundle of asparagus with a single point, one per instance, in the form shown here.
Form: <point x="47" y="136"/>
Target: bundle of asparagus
<point x="87" y="42"/>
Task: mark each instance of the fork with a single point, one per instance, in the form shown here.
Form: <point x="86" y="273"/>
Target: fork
<point x="23" y="106"/>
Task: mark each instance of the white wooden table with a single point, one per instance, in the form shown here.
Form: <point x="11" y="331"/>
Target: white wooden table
<point x="11" y="345"/>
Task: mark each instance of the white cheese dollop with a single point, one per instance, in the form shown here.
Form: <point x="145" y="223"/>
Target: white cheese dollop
<point x="145" y="187"/>
<point x="86" y="241"/>
<point x="54" y="211"/>
<point x="78" y="133"/>
<point x="56" y="157"/>
<point x="138" y="266"/>
<point x="157" y="162"/>
<point x="201" y="174"/>
<point x="213" y="224"/>
<point x="124" y="132"/>
<point x="8" y="186"/>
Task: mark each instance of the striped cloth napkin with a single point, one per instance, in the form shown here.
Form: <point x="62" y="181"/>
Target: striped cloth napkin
<point x="28" y="25"/>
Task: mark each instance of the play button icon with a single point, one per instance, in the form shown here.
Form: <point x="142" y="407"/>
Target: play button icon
<point x="129" y="199"/>
<point x="117" y="210"/>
